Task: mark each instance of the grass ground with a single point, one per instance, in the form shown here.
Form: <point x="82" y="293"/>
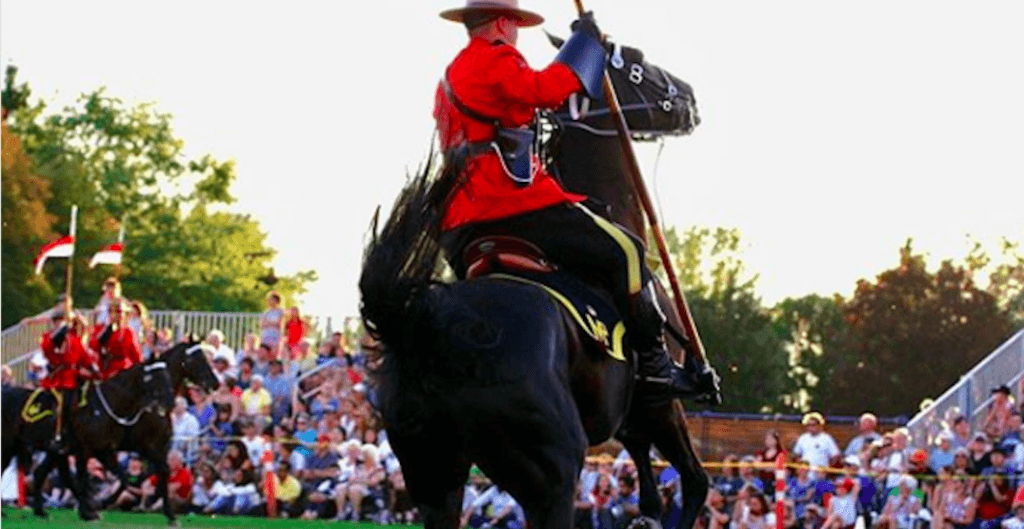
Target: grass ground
<point x="62" y="518"/>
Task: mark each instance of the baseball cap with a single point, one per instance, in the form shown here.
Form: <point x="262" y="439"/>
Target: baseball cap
<point x="918" y="456"/>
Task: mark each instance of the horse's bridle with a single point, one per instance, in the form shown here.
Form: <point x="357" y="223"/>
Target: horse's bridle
<point x="138" y="415"/>
<point x="577" y="115"/>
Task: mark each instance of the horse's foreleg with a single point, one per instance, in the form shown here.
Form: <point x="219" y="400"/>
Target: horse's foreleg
<point x="668" y="430"/>
<point x="639" y="446"/>
<point x="39" y="479"/>
<point x="86" y="510"/>
<point x="163" y="472"/>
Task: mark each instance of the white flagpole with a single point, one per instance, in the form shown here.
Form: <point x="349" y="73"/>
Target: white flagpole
<point x="71" y="258"/>
<point x="120" y="239"/>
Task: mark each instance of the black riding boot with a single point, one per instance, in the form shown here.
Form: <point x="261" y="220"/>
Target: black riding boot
<point x="658" y="376"/>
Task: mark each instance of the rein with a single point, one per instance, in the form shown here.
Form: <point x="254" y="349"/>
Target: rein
<point x="138" y="415"/>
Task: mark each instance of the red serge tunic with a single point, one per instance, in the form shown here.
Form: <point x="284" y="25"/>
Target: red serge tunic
<point x="122" y="352"/>
<point x="494" y="80"/>
<point x="65" y="361"/>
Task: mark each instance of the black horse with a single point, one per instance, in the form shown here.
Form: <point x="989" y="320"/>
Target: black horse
<point x="586" y="155"/>
<point x="150" y="436"/>
<point x="489" y="372"/>
<point x="94" y="413"/>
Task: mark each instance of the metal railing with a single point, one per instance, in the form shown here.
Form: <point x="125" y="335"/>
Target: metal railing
<point x="971" y="396"/>
<point x="19" y="342"/>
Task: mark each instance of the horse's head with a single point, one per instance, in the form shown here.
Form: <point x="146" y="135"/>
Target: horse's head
<point x="654" y="102"/>
<point x="196" y="363"/>
<point x="156" y="385"/>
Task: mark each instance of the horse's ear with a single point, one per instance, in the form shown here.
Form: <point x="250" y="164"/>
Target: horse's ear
<point x="555" y="41"/>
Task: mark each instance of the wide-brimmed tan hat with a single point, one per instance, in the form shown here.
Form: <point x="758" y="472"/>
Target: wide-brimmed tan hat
<point x="504" y="7"/>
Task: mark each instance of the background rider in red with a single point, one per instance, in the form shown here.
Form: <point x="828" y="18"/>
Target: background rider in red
<point x="117" y="346"/>
<point x="485" y="108"/>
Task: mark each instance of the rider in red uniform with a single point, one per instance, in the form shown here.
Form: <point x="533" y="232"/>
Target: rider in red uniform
<point x="484" y="107"/>
<point x="68" y="362"/>
<point x="116" y="345"/>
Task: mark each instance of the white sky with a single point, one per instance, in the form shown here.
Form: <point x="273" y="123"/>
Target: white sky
<point x="831" y="131"/>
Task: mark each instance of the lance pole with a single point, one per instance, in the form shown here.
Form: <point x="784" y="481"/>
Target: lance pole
<point x="637" y="180"/>
<point x="71" y="258"/>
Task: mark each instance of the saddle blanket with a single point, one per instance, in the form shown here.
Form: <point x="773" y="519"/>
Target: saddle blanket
<point x="594" y="315"/>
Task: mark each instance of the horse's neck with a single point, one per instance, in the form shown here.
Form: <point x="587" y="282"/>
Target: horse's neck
<point x="595" y="166"/>
<point x="175" y="360"/>
<point x="122" y="391"/>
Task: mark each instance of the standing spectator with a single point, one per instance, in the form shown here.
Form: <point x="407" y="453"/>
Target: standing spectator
<point x="1000" y="409"/>
<point x="295" y="329"/>
<point x="942" y="455"/>
<point x="765" y="458"/>
<point x="272" y="321"/>
<point x="868" y="433"/>
<point x="961" y="432"/>
<point x="184" y="428"/>
<point x="111" y="292"/>
<point x="816" y="446"/>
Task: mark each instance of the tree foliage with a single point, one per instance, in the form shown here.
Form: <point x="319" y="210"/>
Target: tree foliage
<point x="123" y="163"/>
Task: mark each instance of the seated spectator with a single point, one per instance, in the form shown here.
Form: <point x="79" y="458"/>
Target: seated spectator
<point x="801" y="489"/>
<point x="961" y="432"/>
<point x="256" y="401"/>
<point x="249" y="347"/>
<point x="235" y="457"/>
<point x="1017" y="520"/>
<point x="714" y="515"/>
<point x="994" y="495"/>
<point x="999" y="410"/>
<point x="1012" y="437"/>
<point x="245" y="374"/>
<point x="756" y="515"/>
<point x="366" y="479"/>
<point x="962" y="461"/>
<point x="497" y="510"/>
<point x="184" y="428"/>
<point x="979" y="450"/>
<point x="747" y="474"/>
<point x="842" y="508"/>
<point x="288" y="489"/>
<point x="261" y="362"/>
<point x="255" y="444"/>
<point x="942" y="455"/>
<point x="202" y="408"/>
<point x="319" y="478"/>
<point x="960" y="507"/>
<point x="919" y="468"/>
<point x="400" y="504"/>
<point x="131" y="494"/>
<point x="901" y="509"/>
<point x="626" y="506"/>
<point x="729" y="481"/>
<point x="279" y="385"/>
<point x="179" y="486"/>
<point x="202" y="486"/>
<point x="221" y="429"/>
<point x="234" y="493"/>
<point x="867" y="434"/>
<point x="306" y="434"/>
<point x="215" y="339"/>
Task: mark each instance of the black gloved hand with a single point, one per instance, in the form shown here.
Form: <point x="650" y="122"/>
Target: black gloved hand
<point x="586" y="24"/>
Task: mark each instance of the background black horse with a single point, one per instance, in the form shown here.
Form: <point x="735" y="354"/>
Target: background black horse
<point x="93" y="415"/>
<point x="150" y="436"/>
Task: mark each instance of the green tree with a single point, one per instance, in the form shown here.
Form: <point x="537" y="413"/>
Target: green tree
<point x="122" y="163"/>
<point x="913" y="333"/>
<point x="737" y="330"/>
<point x="816" y="333"/>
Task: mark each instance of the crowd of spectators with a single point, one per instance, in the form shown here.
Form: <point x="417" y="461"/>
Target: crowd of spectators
<point x="303" y="410"/>
<point x="966" y="481"/>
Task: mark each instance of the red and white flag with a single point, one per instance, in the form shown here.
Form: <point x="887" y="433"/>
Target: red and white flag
<point x="63" y="247"/>
<point x="111" y="254"/>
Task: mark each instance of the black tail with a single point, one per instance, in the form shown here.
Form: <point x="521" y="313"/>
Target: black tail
<point x="399" y="264"/>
